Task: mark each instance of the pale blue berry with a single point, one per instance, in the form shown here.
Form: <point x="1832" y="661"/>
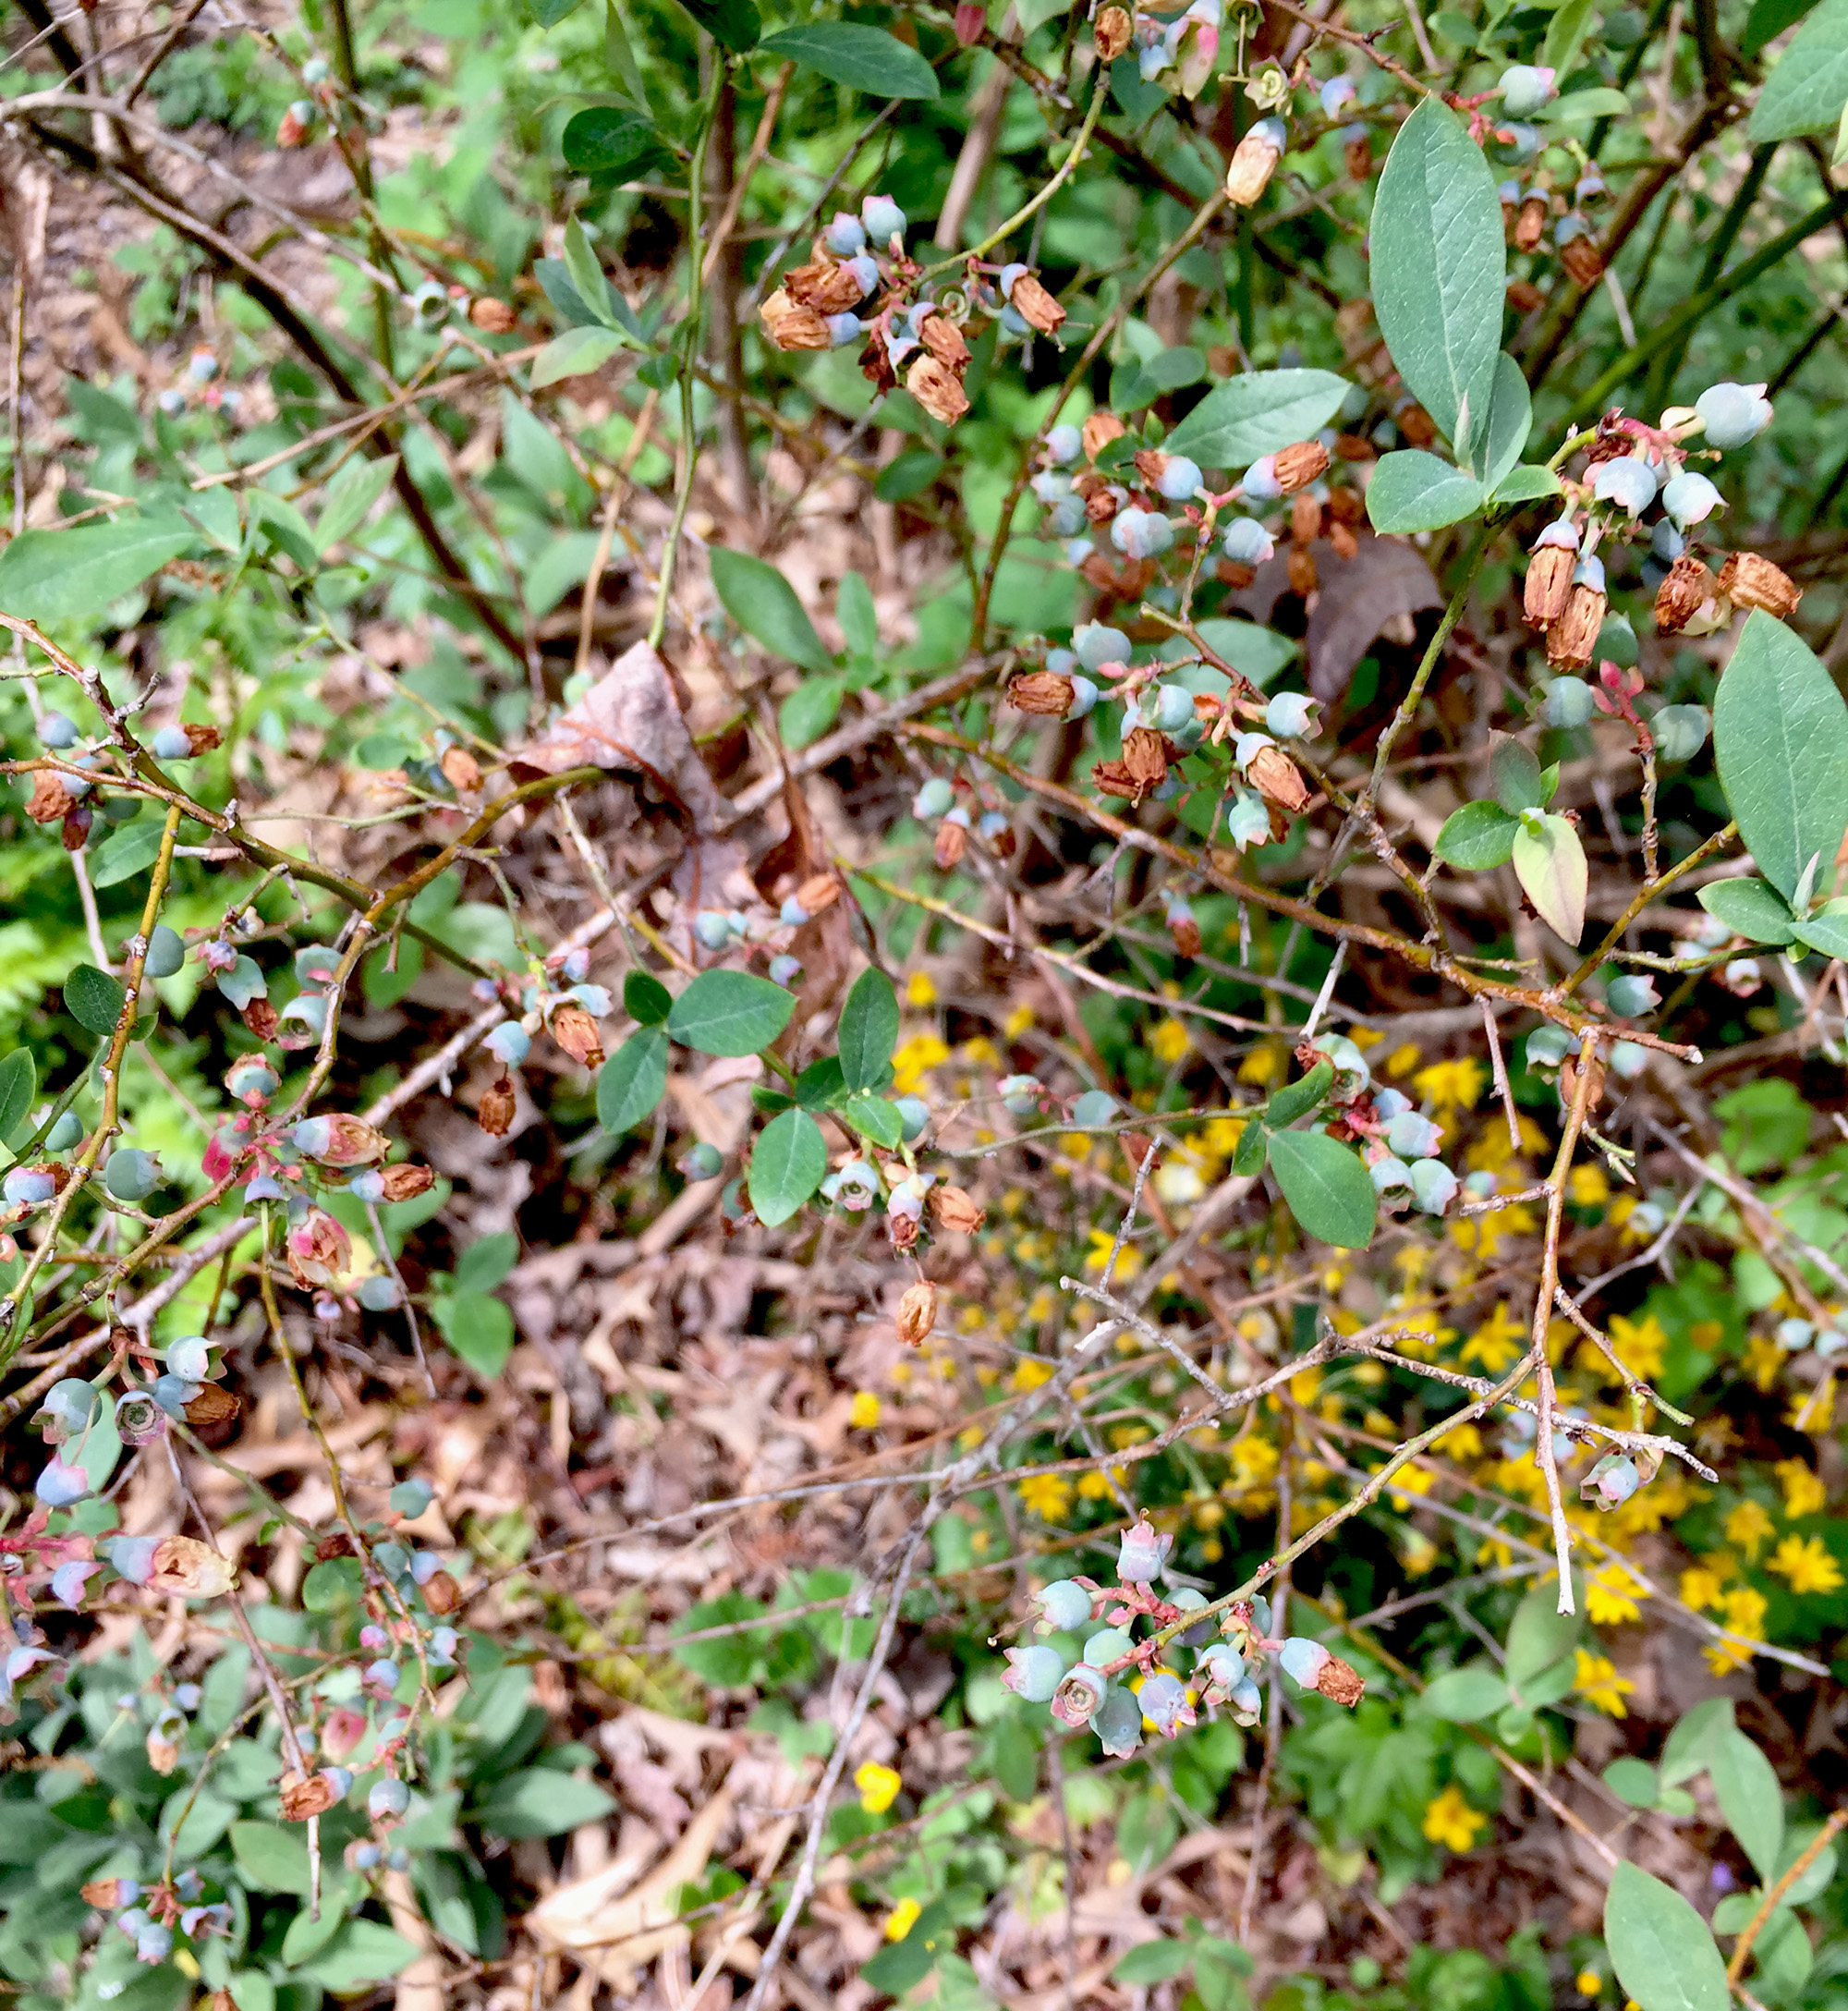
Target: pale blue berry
<point x="1063" y="445"/>
<point x="1142" y="1554"/>
<point x="379" y="1294"/>
<point x="1081" y="1689"/>
<point x="1629" y="482"/>
<point x="1094" y="1107"/>
<point x="1410" y="1135"/>
<point x="387" y="1798"/>
<point x="1084" y="698"/>
<point x="167" y="952"/>
<point x="170" y="744"/>
<point x="784" y="970"/>
<point x="509" y="1044"/>
<point x="883" y="219"/>
<point x="340" y="1780"/>
<point x="28" y="1186"/>
<point x="1118" y="1722"/>
<point x="701" y="1162"/>
<point x="1518" y="140"/>
<point x="1179" y="478"/>
<point x="1610" y="1483"/>
<point x="1388" y="1104"/>
<point x="1679" y="732"/>
<point x="131" y="1175"/>
<point x="712" y="930"/>
<point x="845" y="235"/>
<point x="1628" y="1059"/>
<point x="1034" y="1673"/>
<point x="914" y="1113"/>
<point x="56" y="731"/>
<point x="61" y="1483"/>
<point x="1141" y="533"/>
<point x="1690" y="498"/>
<point x="1260" y="483"/>
<point x="191" y="1358"/>
<point x="1547" y="1046"/>
<point x="1525" y="89"/>
<point x="1568" y="703"/>
<point x="1735" y="414"/>
<point x="1222" y="1665"/>
<point x="1303" y="1659"/>
<point x="1590" y="572"/>
<point x="844" y="328"/>
<point x="1247" y="542"/>
<point x="1628" y="996"/>
<point x="1389" y="1175"/>
<point x="1163" y="1701"/>
<point x="1433" y="1186"/>
<point x="1064" y="1605"/>
<point x="1290" y="715"/>
<point x="932" y="801"/>
<point x="1336" y="95"/>
<point x="1107" y="1645"/>
<point x="1173" y="707"/>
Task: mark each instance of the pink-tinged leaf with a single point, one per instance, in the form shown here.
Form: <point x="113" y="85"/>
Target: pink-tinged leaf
<point x="1550" y="864"/>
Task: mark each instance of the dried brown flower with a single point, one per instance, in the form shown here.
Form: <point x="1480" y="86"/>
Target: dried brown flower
<point x="1098" y="430"/>
<point x="494" y="316"/>
<point x="952" y="1208"/>
<point x="1524" y="296"/>
<point x="1530" y="222"/>
<point x="576" y="1032"/>
<point x="1341" y="1681"/>
<point x="1549" y="584"/>
<point x="1298" y="465"/>
<point x="1748" y="581"/>
<point x="1689" y="586"/>
<point x="318" y="1249"/>
<point x="1306" y="516"/>
<point x="1035" y="306"/>
<point x="792" y="326"/>
<point x="49" y="799"/>
<point x="302" y="1798"/>
<point x="194" y="1570"/>
<point x="405" y="1179"/>
<point x="461" y="770"/>
<point x="1278" y="779"/>
<point x="952" y="841"/>
<point x="917" y="1310"/>
<point x="495" y="1111"/>
<point x="1574" y="636"/>
<point x="1042" y="691"/>
<point x="1343" y="540"/>
<point x="819" y="890"/>
<point x="937" y="389"/>
<point x="1416" y="425"/>
<point x="440" y="1592"/>
<point x="1299" y="562"/>
<point x="1247" y="174"/>
<point x="944" y="340"/>
<point x="1358" y="157"/>
<point x="827" y="288"/>
<point x="1111" y="33"/>
<point x="1584" y="260"/>
<point x="1144" y="756"/>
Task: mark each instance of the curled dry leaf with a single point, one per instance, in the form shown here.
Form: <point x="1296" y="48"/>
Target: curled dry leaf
<point x="194" y="1570"/>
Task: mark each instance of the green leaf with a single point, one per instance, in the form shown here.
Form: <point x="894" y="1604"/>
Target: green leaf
<point x="895" y="1969"/>
<point x="94" y="999"/>
<point x="1541" y="1666"/>
<point x="19" y="1085"/>
<point x="1745" y="1785"/>
<point x="1514" y="769"/>
<point x="1297" y="1098"/>
<point x="1478" y="836"/>
<point x="307" y="1936"/>
<point x="1496" y="443"/>
<point x="733" y="24"/>
<point x="1526" y="484"/>
<point x="863" y="58"/>
<point x="591" y="285"/>
<point x="486" y="1261"/>
<point x="272" y="1859"/>
<point x="909" y="474"/>
<point x="810" y="710"/>
<point x="1824" y="933"/>
<point x="1633" y="1780"/>
<point x="1752" y="908"/>
<point x="1816" y="1880"/>
<point x="764" y="605"/>
<point x="858" y="618"/>
<point x="1565" y="33"/>
<point x="540" y="1801"/>
<point x="1805" y="92"/>
<point x="1768" y="21"/>
<point x="362" y="1952"/>
<point x="1660" y="1946"/>
<point x="1550" y="864"/>
<point x="574" y="353"/>
<point x="619" y="57"/>
<point x="350" y="495"/>
<point x="787" y="1165"/>
<point x="278" y="526"/>
<point x="53" y="575"/>
<point x="869" y="1031"/>
<point x="1439" y="268"/>
<point x="331" y="1584"/>
<point x="1600" y="102"/>
<point x="1689" y="1748"/>
<point x="607" y="142"/>
<point x="125" y="853"/>
<point x="1329" y="1190"/>
<point x="1247" y="417"/>
<point x="1152" y="1961"/>
<point x="873" y="1118"/>
<point x="478" y="1328"/>
<point x="1780" y="741"/>
<point x="1464" y="1696"/>
<point x="549" y="13"/>
<point x="1248" y="1156"/>
<point x="631" y="1083"/>
<point x="730" y="1013"/>
<point x="1415" y="491"/>
<point x="646" y="999"/>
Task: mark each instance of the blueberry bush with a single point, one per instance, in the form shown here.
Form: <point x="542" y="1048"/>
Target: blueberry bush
<point x="923" y="1005"/>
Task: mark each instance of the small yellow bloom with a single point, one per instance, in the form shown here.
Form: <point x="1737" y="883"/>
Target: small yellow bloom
<point x="1588" y="1186"/>
<point x="1170" y="1041"/>
<point x="1805" y="1562"/>
<point x="914" y="1059"/>
<point x="1464" y="1441"/>
<point x="1263" y="1066"/>
<point x="1018" y="1022"/>
<point x="1804" y="1491"/>
<point x="1640" y="1344"/>
<point x="878" y="1785"/>
<point x="864" y="1415"/>
<point x="1128" y="1261"/>
<point x="1701" y="1587"/>
<point x="1449" y="1821"/>
<point x="1096" y="1486"/>
<point x="1763" y="1361"/>
<point x="1742" y="1612"/>
<point x="1452" y="1085"/>
<point x="1029" y="1374"/>
<point x="1500" y="1341"/>
<point x="1588" y="1982"/>
<point x="1748" y="1527"/>
<point x="1611" y="1596"/>
<point x="1598" y="1682"/>
<point x="1402" y="1060"/>
<point x="902" y="1919"/>
<point x="981" y="1053"/>
<point x="1047" y="1496"/>
<point x="920" y="990"/>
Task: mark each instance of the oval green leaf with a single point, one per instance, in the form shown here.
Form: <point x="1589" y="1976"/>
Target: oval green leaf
<point x="1439" y="268"/>
<point x="631" y="1083"/>
<point x="1247" y="417"/>
<point x="1660" y="1946"/>
<point x="1824" y="933"/>
<point x="479" y="1329"/>
<point x="1752" y="908"/>
<point x="646" y="999"/>
<point x="764" y="605"/>
<point x="730" y="1013"/>
<point x="604" y="141"/>
<point x="1805" y="92"/>
<point x="1297" y="1098"/>
<point x="869" y="1031"/>
<point x="1329" y="1190"/>
<point x="1780" y="741"/>
<point x="863" y="58"/>
<point x="787" y="1165"/>
<point x="1550" y="864"/>
<point x="52" y="575"/>
<point x="1745" y="1785"/>
<point x="1413" y="490"/>
<point x="1478" y="836"/>
<point x="19" y="1084"/>
<point x="1463" y="1695"/>
<point x="94" y="999"/>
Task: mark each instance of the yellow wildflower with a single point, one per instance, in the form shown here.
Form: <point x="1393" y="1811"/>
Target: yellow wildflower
<point x="1588" y="1186"/>
<point x="920" y="990"/>
<point x="1170" y="1041"/>
<point x="1018" y="1022"/>
<point x="1452" y="1085"/>
<point x="1588" y="1982"/>
<point x="1640" y="1344"/>
<point x="1804" y="1491"/>
<point x="1500" y="1341"/>
<point x="1742" y="1612"/>
<point x="1763" y="1361"/>
<point x="1029" y="1374"/>
<point x="878" y="1785"/>
<point x="914" y="1059"/>
<point x="1449" y="1821"/>
<point x="1253" y="1460"/>
<point x="981" y="1053"/>
<point x="1409" y="1482"/>
<point x="1096" y="1486"/>
<point x="1814" y="1413"/>
<point x="1610" y="1595"/>
<point x="1464" y="1441"/>
<point x="1483" y="1235"/>
<point x="1220" y="1139"/>
<point x="1047" y="1496"/>
<point x="1805" y="1562"/>
<point x="863" y="1413"/>
<point x="1598" y="1682"/>
<point x="1128" y="1261"/>
<point x="902" y="1919"/>
<point x="1402" y="1060"/>
<point x="1748" y="1527"/>
<point x="1701" y="1587"/>
<point x="1263" y="1066"/>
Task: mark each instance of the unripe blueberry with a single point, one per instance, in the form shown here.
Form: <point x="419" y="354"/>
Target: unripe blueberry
<point x="1628" y="996"/>
<point x="701" y="1162"/>
<point x="1096" y="645"/>
<point x="1735" y="414"/>
<point x="379" y="1294"/>
<point x="1690" y="498"/>
<point x="1163" y="1700"/>
<point x="131" y="1175"/>
<point x="61" y="1483"/>
<point x="1628" y="1059"/>
<point x="1179" y="478"/>
<point x="424" y="1565"/>
<point x="1303" y="1659"/>
<point x="1679" y="732"/>
<point x="844" y="328"/>
<point x="191" y="1356"/>
<point x="1248" y="1702"/>
<point x="784" y="970"/>
<point x="1141" y="533"/>
<point x="1064" y="1605"/>
<point x="171" y="1393"/>
<point x="509" y="1043"/>
<point x="366" y="1857"/>
<point x="1433" y="1186"/>
<point x="1021" y="1095"/>
<point x="1525" y="89"/>
<point x="1095" y="1107"/>
<point x="1084" y="698"/>
<point x="1260" y="483"/>
<point x="845" y="235"/>
<point x="1052" y="485"/>
<point x="1388" y="1104"/>
<point x="1590" y="572"/>
<point x="1628" y="480"/>
<point x="1063" y="445"/>
<point x="387" y="1798"/>
<point x="1517" y="140"/>
<point x="1142" y="1554"/>
<point x="57" y="731"/>
<point x="712" y="929"/>
<point x="1080" y="1691"/>
<point x="1290" y="716"/>
<point x="883" y="219"/>
<point x="1107" y="1645"/>
<point x="1568" y="703"/>
<point x="153" y="1943"/>
<point x="172" y="401"/>
<point x="1389" y="1175"/>
<point x="1247" y="543"/>
<point x="792" y="914"/>
<point x="1336" y="95"/>
<point x="1617" y="641"/>
<point x="68" y="1406"/>
<point x="934" y="801"/>
<point x="28" y="1186"/>
<point x="367" y="1186"/>
<point x="410" y="1498"/>
<point x="1410" y="1135"/>
<point x="914" y="1113"/>
<point x="1610" y="1483"/>
<point x="1066" y="516"/>
<point x="167" y="952"/>
<point x="171" y="744"/>
<point x="131" y="1557"/>
<point x="1173" y="707"/>
<point x="1118" y="1722"/>
<point x="383" y="1674"/>
<point x="1034" y="1673"/>
<point x="1547" y="1046"/>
